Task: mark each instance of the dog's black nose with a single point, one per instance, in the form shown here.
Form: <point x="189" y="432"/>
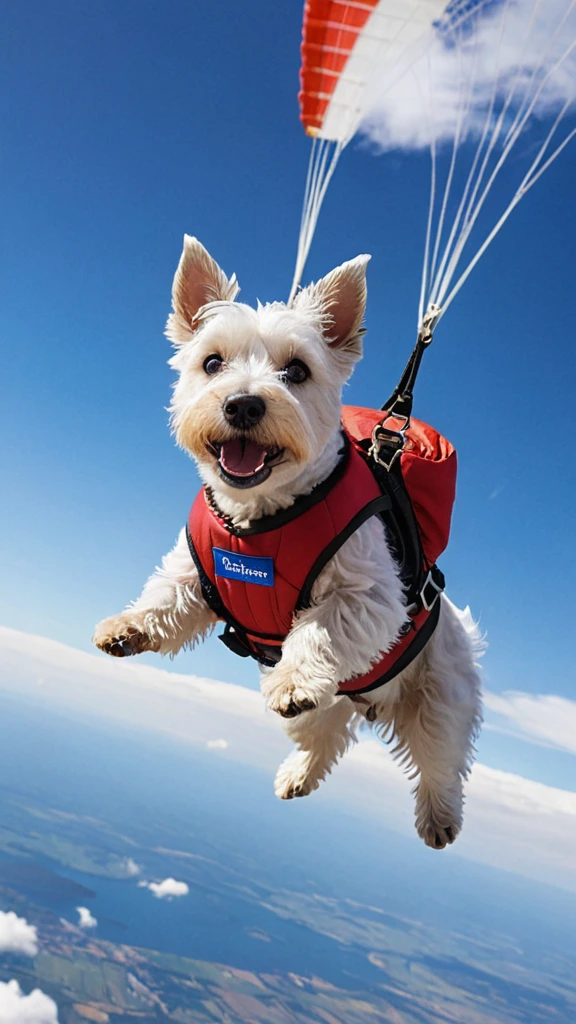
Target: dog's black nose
<point x="244" y="411"/>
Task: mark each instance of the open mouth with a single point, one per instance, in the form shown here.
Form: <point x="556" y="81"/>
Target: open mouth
<point x="242" y="462"/>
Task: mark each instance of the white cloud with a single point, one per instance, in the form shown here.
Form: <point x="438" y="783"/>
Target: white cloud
<point x="129" y="867"/>
<point x="166" y="889"/>
<point x="17" y="1008"/>
<point x="86" y="918"/>
<point x="181" y="706"/>
<point x="217" y="744"/>
<point x="535" y="825"/>
<point x="540" y="718"/>
<point x="507" y="72"/>
<point x="536" y="838"/>
<point x="16" y="935"/>
<point x="495" y="49"/>
<point x="510" y="822"/>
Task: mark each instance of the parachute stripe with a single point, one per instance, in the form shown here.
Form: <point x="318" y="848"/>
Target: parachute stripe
<point x="331" y="27"/>
<point x="341" y="40"/>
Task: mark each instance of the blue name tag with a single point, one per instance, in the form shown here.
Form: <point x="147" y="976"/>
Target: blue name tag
<point x="247" y="568"/>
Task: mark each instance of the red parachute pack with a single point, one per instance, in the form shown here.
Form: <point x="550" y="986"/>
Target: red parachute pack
<point x="428" y="463"/>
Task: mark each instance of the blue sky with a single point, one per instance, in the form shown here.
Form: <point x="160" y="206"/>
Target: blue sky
<point x="126" y="125"/>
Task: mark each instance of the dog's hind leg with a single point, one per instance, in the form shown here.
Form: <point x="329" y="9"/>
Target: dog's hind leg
<point x="321" y="736"/>
<point x="433" y="717"/>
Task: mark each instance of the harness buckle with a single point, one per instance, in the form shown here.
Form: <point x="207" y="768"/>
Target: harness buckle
<point x="234" y="642"/>
<point x="387" y="444"/>
<point x="433" y="586"/>
<point x="429" y="321"/>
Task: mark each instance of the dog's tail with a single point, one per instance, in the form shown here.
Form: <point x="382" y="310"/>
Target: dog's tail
<point x="477" y="638"/>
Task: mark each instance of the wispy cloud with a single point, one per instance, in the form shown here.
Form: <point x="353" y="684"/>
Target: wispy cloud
<point x="167" y="889"/>
<point x="18" y="1008"/>
<point x="86" y="918"/>
<point x="509" y="70"/>
<point x="16" y="935"/>
<point x="496" y="492"/>
<point x="129" y="867"/>
<point x="504" y="811"/>
<point x="540" y="718"/>
<point x="508" y="46"/>
<point x="504" y="814"/>
<point x="217" y="744"/>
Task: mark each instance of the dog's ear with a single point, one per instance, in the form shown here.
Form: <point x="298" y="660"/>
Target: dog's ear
<point x="340" y="300"/>
<point x="198" y="281"/>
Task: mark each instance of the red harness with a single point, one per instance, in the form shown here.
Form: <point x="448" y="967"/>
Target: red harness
<point x="256" y="579"/>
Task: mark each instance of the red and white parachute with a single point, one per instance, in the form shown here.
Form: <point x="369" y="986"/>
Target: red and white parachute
<point x="468" y="78"/>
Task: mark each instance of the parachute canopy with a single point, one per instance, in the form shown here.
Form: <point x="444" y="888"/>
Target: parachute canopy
<point x="342" y="45"/>
<point x="469" y="79"/>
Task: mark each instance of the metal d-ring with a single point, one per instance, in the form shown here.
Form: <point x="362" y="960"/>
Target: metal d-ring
<point x="394" y="440"/>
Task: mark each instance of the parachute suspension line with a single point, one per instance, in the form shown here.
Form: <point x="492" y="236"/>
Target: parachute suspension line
<point x="432" y="274"/>
<point x="475" y="190"/>
<point x="496" y="123"/>
<point x="314" y="170"/>
<point x="324" y="157"/>
<point x="431" y="206"/>
<point x="463" y="109"/>
<point x="507" y="103"/>
<point x="460" y="210"/>
<point x="318" y="164"/>
<point x="324" y="171"/>
<point x="529" y="180"/>
<point x="549" y="161"/>
<point x="519" y="194"/>
<point x="429" y="312"/>
<point x="484" y="149"/>
<point x="538" y="67"/>
<point x="311" y="180"/>
<point x="473" y="180"/>
<point x="306" y="201"/>
<point x="449" y="177"/>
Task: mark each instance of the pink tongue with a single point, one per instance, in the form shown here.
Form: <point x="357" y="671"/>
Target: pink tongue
<point x="242" y="457"/>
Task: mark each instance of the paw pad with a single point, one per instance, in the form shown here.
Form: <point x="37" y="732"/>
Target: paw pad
<point x="131" y="641"/>
<point x="294" y="708"/>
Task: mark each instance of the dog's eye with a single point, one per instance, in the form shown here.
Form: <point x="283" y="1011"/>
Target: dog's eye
<point x="212" y="364"/>
<point x="296" y="372"/>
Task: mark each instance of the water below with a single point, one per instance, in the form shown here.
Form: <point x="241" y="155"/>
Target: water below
<point x="206" y="924"/>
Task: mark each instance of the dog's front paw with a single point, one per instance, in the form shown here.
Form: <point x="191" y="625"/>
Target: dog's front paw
<point x="290" y="700"/>
<point x="122" y="636"/>
<point x="289" y="691"/>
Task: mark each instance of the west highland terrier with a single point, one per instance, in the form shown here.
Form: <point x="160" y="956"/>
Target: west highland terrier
<point x="257" y="404"/>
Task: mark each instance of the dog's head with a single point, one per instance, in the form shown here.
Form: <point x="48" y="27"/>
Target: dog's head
<point x="258" y="395"/>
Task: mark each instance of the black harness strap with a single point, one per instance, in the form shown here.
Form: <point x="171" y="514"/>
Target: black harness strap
<point x="417" y="645"/>
<point x="377" y="507"/>
<point x="400" y="402"/>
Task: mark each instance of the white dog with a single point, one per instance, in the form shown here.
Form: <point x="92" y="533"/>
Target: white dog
<point x="295" y="362"/>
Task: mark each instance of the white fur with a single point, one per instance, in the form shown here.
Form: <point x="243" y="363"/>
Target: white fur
<point x="432" y="711"/>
